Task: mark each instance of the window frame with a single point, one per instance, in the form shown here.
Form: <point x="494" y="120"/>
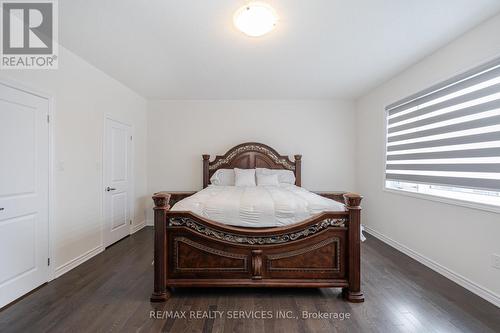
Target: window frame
<point x="428" y="196"/>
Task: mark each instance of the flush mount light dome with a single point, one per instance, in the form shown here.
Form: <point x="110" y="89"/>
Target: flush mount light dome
<point x="255" y="19"/>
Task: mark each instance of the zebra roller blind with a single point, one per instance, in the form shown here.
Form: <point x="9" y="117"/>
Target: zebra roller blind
<point x="449" y="134"/>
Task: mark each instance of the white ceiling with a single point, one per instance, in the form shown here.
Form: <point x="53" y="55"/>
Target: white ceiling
<point x="189" y="49"/>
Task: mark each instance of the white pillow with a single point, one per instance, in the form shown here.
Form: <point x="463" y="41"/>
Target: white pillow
<point x="244" y="177"/>
<point x="284" y="176"/>
<point x="267" y="180"/>
<point x="223" y="177"/>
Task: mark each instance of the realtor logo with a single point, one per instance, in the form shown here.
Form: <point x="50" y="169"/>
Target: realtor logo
<point x="29" y="34"/>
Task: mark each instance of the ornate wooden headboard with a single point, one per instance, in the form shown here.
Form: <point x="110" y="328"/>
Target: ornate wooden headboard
<point x="251" y="155"/>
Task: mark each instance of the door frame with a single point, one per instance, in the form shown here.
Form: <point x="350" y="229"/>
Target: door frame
<point x="131" y="206"/>
<point x="51" y="152"/>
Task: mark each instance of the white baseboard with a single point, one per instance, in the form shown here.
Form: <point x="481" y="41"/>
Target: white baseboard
<point x="150" y="223"/>
<point x="89" y="254"/>
<point x="482" y="292"/>
<point x="137" y="227"/>
<point x="77" y="261"/>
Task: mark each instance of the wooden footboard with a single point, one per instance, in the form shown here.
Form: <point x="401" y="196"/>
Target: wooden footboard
<point x="191" y="251"/>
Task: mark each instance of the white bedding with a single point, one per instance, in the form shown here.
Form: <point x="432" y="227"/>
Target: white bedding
<point x="257" y="206"/>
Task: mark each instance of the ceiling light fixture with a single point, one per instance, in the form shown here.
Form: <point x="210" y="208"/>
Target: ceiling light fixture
<point x="255" y="18"/>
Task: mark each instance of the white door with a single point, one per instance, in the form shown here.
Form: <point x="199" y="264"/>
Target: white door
<point x="24" y="183"/>
<point x="117" y="182"/>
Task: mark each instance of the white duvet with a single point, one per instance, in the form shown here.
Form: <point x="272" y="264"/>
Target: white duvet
<point x="257" y="206"/>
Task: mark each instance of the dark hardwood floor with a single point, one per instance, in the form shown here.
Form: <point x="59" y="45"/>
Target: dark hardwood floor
<point x="110" y="293"/>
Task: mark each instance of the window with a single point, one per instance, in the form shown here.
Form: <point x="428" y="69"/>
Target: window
<point x="445" y="141"/>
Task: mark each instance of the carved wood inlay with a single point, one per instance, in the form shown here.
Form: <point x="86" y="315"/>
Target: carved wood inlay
<point x="326" y="242"/>
<point x="247" y="239"/>
<point x="250" y="155"/>
<point x="252" y="147"/>
<point x="243" y="258"/>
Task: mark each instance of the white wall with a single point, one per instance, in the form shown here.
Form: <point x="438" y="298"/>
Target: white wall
<point x="82" y="95"/>
<point x="179" y="132"/>
<point x="459" y="241"/>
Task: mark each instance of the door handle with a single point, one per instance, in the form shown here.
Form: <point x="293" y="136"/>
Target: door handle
<point x="1" y="208"/>
<point x="110" y="188"/>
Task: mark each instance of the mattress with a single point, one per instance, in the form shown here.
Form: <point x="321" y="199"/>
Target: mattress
<point x="257" y="206"/>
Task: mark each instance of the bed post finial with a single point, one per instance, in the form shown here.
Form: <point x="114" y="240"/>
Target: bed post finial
<point x="298" y="170"/>
<point x="353" y="293"/>
<point x="206" y="174"/>
<point x="161" y="199"/>
<point x="160" y="293"/>
<point x="353" y="200"/>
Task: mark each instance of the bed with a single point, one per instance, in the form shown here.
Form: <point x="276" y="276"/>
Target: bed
<point x="205" y="240"/>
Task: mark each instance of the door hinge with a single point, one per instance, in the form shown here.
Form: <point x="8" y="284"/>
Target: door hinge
<point x="48" y="118"/>
<point x="130" y="222"/>
<point x="131" y="138"/>
<point x="48" y="261"/>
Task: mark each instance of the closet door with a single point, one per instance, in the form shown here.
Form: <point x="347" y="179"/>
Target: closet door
<point x="24" y="176"/>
